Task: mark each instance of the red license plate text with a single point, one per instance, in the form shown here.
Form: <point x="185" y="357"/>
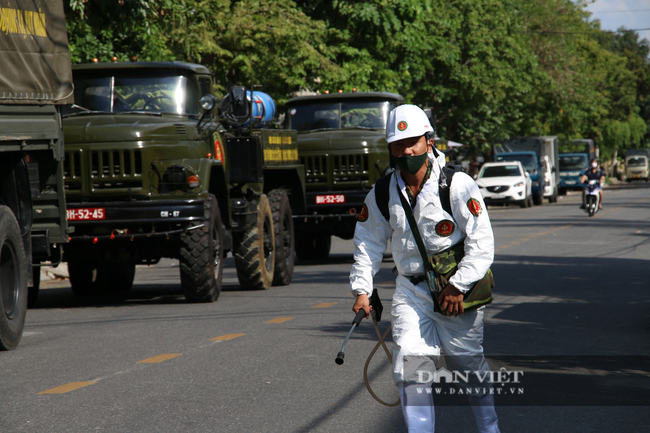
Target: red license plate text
<point x="86" y="214"/>
<point x="330" y="199"/>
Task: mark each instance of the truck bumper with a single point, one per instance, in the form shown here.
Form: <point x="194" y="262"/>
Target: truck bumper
<point x="139" y="218"/>
<point x="571" y="183"/>
<point x="338" y="204"/>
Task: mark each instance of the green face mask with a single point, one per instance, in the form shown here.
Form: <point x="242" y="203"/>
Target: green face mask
<point x="410" y="164"/>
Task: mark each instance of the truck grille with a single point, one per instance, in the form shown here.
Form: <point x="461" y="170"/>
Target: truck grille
<point x="109" y="169"/>
<point x="346" y="165"/>
<point x="315" y="168"/>
<point x="339" y="170"/>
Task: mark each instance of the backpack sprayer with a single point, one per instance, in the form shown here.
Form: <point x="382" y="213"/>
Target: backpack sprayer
<point x="375" y="313"/>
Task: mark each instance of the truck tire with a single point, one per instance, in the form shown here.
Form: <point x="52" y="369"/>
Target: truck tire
<point x="13" y="281"/>
<point x="32" y="292"/>
<point x="201" y="257"/>
<point x="539" y="199"/>
<point x="255" y="253"/>
<point x="284" y="237"/>
<point x="313" y="246"/>
<point x="91" y="278"/>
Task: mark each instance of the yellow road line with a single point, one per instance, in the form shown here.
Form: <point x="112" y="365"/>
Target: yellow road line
<point x="227" y="337"/>
<point x="525" y="239"/>
<point x="324" y="305"/>
<point x="280" y="320"/>
<point x="67" y="387"/>
<point x="515" y="243"/>
<point x="159" y="358"/>
<point x="505" y="246"/>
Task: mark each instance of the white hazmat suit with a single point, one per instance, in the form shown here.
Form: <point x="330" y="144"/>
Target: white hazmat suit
<point x="417" y="329"/>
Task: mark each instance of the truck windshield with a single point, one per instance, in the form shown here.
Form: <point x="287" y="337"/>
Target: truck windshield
<point x="123" y="91"/>
<point x="501" y="171"/>
<point x="339" y="115"/>
<point x="528" y="161"/>
<point x="573" y="162"/>
<point x="637" y="161"/>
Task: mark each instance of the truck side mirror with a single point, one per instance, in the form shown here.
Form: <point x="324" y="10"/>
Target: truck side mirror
<point x="238" y="102"/>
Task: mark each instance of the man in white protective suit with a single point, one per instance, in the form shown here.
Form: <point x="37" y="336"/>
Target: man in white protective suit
<point x="419" y="332"/>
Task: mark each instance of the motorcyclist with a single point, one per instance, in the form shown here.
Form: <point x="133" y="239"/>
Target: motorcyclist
<point x="593" y="173"/>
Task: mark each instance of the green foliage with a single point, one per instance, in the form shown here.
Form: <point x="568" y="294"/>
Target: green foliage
<point x="489" y="68"/>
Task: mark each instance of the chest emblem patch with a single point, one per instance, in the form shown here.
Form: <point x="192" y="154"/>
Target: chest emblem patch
<point x="445" y="228"/>
<point x="474" y="207"/>
<point x="363" y="215"/>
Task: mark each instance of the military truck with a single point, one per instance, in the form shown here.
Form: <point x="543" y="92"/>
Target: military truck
<point x="152" y="171"/>
<point x="35" y="82"/>
<point x="342" y="144"/>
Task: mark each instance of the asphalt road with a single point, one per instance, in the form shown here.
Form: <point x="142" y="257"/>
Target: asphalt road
<point x="571" y="310"/>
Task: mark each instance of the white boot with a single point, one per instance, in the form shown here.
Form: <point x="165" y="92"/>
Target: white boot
<point x="486" y="416"/>
<point x="417" y="407"/>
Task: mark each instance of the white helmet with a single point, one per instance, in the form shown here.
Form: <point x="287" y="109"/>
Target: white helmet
<point x="407" y="121"/>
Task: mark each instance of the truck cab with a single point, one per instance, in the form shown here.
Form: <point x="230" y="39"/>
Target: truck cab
<point x="572" y="166"/>
<point x="342" y="144"/>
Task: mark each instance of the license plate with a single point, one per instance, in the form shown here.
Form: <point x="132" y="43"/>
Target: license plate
<point x="86" y="214"/>
<point x="636" y="175"/>
<point x="570" y="182"/>
<point x="330" y="199"/>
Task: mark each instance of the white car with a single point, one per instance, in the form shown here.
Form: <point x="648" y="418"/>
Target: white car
<point x="505" y="182"/>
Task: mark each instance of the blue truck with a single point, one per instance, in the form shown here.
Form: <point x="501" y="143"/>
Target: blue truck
<point x="539" y="156"/>
<point x="574" y="160"/>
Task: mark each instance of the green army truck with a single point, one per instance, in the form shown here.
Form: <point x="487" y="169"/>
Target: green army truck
<point x="35" y="83"/>
<point x="152" y="170"/>
<point x="342" y="144"/>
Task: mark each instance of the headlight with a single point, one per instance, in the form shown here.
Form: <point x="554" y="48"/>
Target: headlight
<point x="517" y="185"/>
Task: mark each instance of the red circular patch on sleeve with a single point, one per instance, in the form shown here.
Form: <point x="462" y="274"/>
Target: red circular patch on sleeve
<point x="474" y="207"/>
<point x="445" y="228"/>
<point x="363" y="215"/>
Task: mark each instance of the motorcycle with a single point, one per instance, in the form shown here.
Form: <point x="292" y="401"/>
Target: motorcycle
<point x="592" y="197"/>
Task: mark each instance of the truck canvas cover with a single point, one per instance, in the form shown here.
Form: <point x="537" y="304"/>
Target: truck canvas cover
<point x="522" y="144"/>
<point x="34" y="51"/>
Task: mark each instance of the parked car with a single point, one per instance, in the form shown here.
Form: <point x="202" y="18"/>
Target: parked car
<point x="504" y="183"/>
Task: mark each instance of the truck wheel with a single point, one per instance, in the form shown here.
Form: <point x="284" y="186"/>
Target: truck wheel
<point x="32" y="292"/>
<point x="313" y="246"/>
<point x="539" y="199"/>
<point x="254" y="255"/>
<point x="83" y="277"/>
<point x="284" y="237"/>
<point x="201" y="257"/>
<point x="118" y="280"/>
<point x="92" y="278"/>
<point x="13" y="281"/>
